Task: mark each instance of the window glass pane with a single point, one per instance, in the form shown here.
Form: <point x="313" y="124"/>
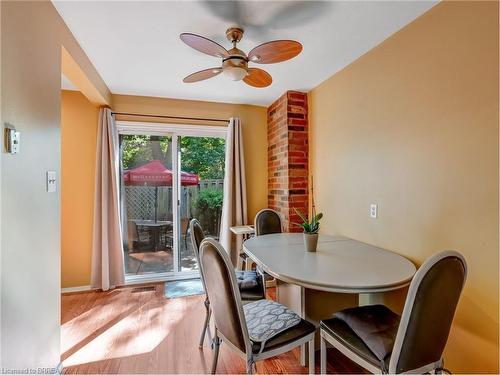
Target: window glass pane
<point x="146" y="203"/>
<point x="203" y="157"/>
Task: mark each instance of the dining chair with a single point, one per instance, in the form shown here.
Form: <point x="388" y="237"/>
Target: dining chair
<point x="267" y="221"/>
<point x="247" y="294"/>
<point x="383" y="342"/>
<point x="256" y="331"/>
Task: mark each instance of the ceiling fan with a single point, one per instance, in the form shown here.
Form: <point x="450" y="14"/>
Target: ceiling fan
<point x="235" y="61"/>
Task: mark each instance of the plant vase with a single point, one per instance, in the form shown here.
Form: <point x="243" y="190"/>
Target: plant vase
<point x="311" y="241"/>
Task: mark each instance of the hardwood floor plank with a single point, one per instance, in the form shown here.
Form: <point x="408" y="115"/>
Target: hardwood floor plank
<point x="133" y="330"/>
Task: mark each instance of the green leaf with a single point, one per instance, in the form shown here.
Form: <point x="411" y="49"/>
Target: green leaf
<point x="301" y="215"/>
<point x="318" y="217"/>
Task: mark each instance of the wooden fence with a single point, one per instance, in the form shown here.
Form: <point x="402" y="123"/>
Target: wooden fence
<point x="140" y="201"/>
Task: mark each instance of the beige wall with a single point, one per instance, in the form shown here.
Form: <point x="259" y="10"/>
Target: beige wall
<point x="413" y="126"/>
<point x="32" y="35"/>
<point x="79" y="120"/>
<point x="254" y="123"/>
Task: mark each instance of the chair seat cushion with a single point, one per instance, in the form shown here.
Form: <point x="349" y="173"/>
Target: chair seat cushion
<point x="341" y="332"/>
<point x="381" y="318"/>
<point x="287" y="337"/>
<point x="376" y="325"/>
<point x="266" y="319"/>
<point x="246" y="279"/>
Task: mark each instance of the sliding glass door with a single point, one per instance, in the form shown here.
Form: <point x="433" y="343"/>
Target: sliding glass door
<point x="168" y="177"/>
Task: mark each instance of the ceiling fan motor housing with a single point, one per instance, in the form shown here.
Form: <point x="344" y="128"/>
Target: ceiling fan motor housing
<point x="234" y="34"/>
<point x="235" y="66"/>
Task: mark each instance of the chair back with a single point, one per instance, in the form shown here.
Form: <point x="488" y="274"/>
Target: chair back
<point x="267" y="221"/>
<point x="428" y="313"/>
<point x="223" y="293"/>
<point x="197" y="235"/>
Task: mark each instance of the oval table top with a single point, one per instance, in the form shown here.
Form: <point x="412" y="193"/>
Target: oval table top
<point x="340" y="264"/>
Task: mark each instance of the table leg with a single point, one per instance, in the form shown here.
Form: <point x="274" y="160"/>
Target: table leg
<point x="394" y="299"/>
<point x="312" y="305"/>
<point x="156" y="236"/>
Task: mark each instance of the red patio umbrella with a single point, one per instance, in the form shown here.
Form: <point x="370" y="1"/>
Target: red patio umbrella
<point x="156" y="174"/>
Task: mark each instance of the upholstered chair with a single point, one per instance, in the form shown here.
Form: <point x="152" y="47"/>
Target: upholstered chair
<point x="256" y="331"/>
<point x="383" y="342"/>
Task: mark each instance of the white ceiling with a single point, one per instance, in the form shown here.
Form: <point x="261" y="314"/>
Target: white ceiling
<point x="135" y="45"/>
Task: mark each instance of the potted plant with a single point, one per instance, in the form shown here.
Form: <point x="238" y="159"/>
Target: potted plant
<point x="311" y="229"/>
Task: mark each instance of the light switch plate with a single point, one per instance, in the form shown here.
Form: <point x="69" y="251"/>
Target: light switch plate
<point x="51" y="181"/>
<point x="373" y="210"/>
<point x="13" y="140"/>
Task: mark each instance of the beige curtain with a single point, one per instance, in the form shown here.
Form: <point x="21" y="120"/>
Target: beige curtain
<point x="107" y="251"/>
<point x="234" y="207"/>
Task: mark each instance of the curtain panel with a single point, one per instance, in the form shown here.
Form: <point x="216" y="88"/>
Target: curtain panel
<point x="234" y="207"/>
<point x="107" y="251"/>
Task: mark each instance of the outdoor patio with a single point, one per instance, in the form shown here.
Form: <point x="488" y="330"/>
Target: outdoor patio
<point x="144" y="262"/>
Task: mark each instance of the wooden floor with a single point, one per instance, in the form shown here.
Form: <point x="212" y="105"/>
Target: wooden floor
<point x="137" y="330"/>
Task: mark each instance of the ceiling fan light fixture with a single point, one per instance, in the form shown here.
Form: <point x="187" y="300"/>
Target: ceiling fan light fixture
<point x="235" y="61"/>
<point x="235" y="73"/>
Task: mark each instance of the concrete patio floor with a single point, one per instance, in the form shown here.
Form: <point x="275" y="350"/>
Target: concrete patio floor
<point x="144" y="262"/>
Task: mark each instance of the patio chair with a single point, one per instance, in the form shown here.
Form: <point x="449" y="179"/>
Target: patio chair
<point x="247" y="294"/>
<point x="166" y="236"/>
<point x="256" y="331"/>
<point x="383" y="342"/>
<point x="144" y="239"/>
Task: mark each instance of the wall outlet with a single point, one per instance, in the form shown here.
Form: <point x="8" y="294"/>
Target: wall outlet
<point x="373" y="210"/>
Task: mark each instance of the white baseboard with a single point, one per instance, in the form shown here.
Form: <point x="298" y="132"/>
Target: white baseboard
<point x="72" y="289"/>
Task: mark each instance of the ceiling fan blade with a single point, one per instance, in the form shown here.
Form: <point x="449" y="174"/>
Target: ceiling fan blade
<point x="258" y="78"/>
<point x="204" y="45"/>
<point x="230" y="11"/>
<point x="202" y="75"/>
<point x="275" y="52"/>
<point x="298" y="13"/>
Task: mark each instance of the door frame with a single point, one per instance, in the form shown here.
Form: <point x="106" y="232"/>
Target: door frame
<point x="173" y="130"/>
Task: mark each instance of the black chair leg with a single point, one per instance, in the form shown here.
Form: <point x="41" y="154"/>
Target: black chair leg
<point x="216" y="344"/>
<point x="206" y="323"/>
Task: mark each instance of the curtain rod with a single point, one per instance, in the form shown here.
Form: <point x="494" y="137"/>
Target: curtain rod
<point x="170" y="117"/>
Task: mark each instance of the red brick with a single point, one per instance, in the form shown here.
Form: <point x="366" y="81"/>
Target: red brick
<point x="287" y="160"/>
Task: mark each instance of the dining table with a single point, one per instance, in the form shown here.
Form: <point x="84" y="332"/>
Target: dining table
<point x="341" y="273"/>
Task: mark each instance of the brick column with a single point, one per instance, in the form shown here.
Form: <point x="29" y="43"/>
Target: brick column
<point x="287" y="157"/>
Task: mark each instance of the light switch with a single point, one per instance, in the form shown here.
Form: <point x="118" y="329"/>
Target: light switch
<point x="51" y="181"/>
<point x="373" y="211"/>
<point x="13" y="140"/>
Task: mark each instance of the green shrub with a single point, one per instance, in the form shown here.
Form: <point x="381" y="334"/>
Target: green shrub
<point x="209" y="199"/>
<point x="208" y="209"/>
